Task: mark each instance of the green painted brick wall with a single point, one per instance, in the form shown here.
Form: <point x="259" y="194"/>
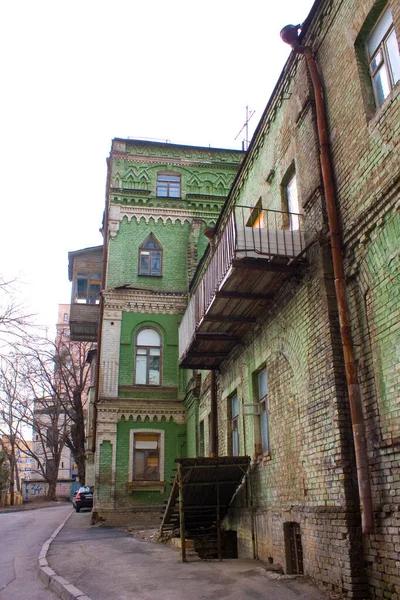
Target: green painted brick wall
<point x="168" y="327"/>
<point x="192" y="416"/>
<point x="175" y="446"/>
<point x="105" y="471"/>
<point x="124" y="251"/>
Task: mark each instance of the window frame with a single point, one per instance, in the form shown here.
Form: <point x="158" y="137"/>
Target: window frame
<point x="150" y="431"/>
<point x="85" y="296"/>
<point x="148" y="348"/>
<point x="386" y="62"/>
<point x="150" y="251"/>
<point x="291" y="220"/>
<point x="168" y="184"/>
<point x="234" y="424"/>
<point x="263" y="409"/>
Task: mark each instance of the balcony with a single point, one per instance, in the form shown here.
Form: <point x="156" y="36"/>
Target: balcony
<point x="85" y="273"/>
<point x="251" y="256"/>
<point x="83" y="322"/>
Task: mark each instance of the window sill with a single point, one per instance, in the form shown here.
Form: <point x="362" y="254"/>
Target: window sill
<point x="381" y="110"/>
<point x="146" y="486"/>
<point x="263" y="458"/>
<point x="148" y="275"/>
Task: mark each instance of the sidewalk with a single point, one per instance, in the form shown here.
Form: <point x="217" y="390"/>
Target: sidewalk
<point x="32" y="505"/>
<point x="107" y="563"/>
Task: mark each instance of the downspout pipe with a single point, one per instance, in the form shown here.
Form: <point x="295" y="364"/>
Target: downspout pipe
<point x="289" y="35"/>
<point x="101" y="307"/>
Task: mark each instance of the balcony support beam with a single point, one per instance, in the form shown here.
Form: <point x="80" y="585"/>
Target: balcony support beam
<point x="219" y="318"/>
<point x="257" y="264"/>
<point x="209" y="355"/>
<point x="243" y="296"/>
<point x="217" y="336"/>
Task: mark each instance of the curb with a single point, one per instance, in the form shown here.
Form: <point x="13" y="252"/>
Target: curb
<point x="57" y="584"/>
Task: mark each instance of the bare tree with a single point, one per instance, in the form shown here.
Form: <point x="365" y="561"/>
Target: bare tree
<point x="11" y="418"/>
<point x="14" y="319"/>
<point x="4" y="472"/>
<point x="27" y="400"/>
<point x="61" y="372"/>
<point x="72" y="375"/>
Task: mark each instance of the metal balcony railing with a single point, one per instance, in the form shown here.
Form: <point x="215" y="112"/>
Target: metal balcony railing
<point x="248" y="233"/>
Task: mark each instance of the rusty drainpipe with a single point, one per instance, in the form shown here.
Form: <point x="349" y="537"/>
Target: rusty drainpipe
<point x="289" y="35"/>
<point x="101" y="308"/>
<point x="214" y="416"/>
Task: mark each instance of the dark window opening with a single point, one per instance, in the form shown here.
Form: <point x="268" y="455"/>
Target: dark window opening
<point x="88" y="288"/>
<point x="294" y="549"/>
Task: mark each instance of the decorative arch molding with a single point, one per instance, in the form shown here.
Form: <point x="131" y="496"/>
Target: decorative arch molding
<point x="153" y="214"/>
<point x="281" y="338"/>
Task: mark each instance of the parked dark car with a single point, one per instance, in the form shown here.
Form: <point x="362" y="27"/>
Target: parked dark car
<point x="83" y="498"/>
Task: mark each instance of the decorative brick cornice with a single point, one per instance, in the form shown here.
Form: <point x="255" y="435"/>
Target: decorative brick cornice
<point x="112" y="411"/>
<point x="145" y="301"/>
<point x="164" y="214"/>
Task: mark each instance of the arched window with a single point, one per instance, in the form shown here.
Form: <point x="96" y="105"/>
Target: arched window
<point x="169" y="185"/>
<point x="150" y="257"/>
<point x="148" y="357"/>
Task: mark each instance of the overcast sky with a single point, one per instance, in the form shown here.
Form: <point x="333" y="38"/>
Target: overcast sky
<point x="76" y="74"/>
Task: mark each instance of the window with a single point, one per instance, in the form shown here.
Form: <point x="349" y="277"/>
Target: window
<point x="168" y="185"/>
<point x="235" y="424"/>
<point x="88" y="288"/>
<point x="383" y="57"/>
<point x="150" y="257"/>
<point x="262" y="381"/>
<point x="66" y="317"/>
<point x="148" y="357"/>
<point x="146" y="457"/>
<point x="293" y="203"/>
<point x="201" y="438"/>
<point x="256" y="218"/>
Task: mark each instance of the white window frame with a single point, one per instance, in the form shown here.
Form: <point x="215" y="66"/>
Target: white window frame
<point x="292" y="199"/>
<point x="383" y="57"/>
<point x="263" y="400"/>
<point x="148" y="356"/>
<point x="159" y="432"/>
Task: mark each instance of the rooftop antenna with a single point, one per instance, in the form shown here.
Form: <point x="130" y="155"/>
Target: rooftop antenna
<point x="246" y="142"/>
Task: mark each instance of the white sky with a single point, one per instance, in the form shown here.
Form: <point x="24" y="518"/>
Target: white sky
<point x="76" y="74"/>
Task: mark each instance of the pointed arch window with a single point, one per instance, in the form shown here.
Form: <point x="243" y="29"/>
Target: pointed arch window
<point x="148" y="357"/>
<point x="150" y="257"/>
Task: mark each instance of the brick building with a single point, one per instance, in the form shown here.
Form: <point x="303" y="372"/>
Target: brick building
<point x="267" y="320"/>
<point x="262" y="313"/>
<point x="160" y="199"/>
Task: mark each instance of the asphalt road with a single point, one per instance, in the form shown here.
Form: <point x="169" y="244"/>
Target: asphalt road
<point x="106" y="564"/>
<point x="22" y="535"/>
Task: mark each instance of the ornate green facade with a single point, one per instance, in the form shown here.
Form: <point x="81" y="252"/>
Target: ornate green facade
<point x="161" y="197"/>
